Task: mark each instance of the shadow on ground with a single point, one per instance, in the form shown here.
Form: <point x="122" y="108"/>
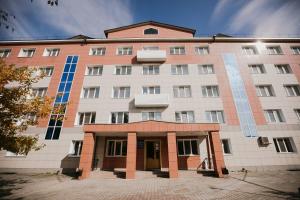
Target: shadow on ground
<point x="7" y="186"/>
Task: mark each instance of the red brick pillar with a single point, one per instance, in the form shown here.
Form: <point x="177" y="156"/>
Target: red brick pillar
<point x="131" y="156"/>
<point x="86" y="157"/>
<point x="217" y="153"/>
<point x="172" y="154"/>
<point x="208" y="152"/>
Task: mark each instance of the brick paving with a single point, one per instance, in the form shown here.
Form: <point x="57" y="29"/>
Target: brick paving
<point x="190" y="185"/>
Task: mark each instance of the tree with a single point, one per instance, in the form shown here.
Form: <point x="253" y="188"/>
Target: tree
<point x="15" y="108"/>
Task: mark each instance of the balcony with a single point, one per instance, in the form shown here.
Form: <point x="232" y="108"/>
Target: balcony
<point x="151" y="100"/>
<point x="151" y="55"/>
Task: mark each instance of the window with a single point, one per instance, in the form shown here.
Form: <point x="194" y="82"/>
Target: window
<point x="177" y="50"/>
<point x="121" y="92"/>
<point x="182" y="91"/>
<point x="296" y="50"/>
<point x="215" y="116"/>
<point x="292" y="90"/>
<point x="95" y="70"/>
<point x="124" y="51"/>
<point x="97" y="51"/>
<point x="32" y="117"/>
<point x="284" y="145"/>
<point x="202" y="50"/>
<point x="257" y="69"/>
<point x="151" y="116"/>
<point x="274" y="116"/>
<point x="185" y="116"/>
<point x="249" y="50"/>
<point x="206" y="69"/>
<point x="151" y="70"/>
<point x="151" y="90"/>
<point x="116" y="148"/>
<point x="210" y="91"/>
<point x="38" y="92"/>
<point x="187" y="147"/>
<point x="226" y="146"/>
<point x="274" y="50"/>
<point x="91" y="93"/>
<point x="283" y="69"/>
<point x="75" y="148"/>
<point x="123" y="70"/>
<point x="150" y="31"/>
<point x="51" y="52"/>
<point x="297" y="111"/>
<point x="179" y="70"/>
<point x="26" y="52"/>
<point x="4" y="53"/>
<point x="119" y="117"/>
<point x="47" y="71"/>
<point x="265" y="91"/>
<point x="87" y="118"/>
<point x="150" y="48"/>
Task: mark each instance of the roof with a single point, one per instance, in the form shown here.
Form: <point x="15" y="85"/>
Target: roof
<point x="80" y="37"/>
<point x="189" y="30"/>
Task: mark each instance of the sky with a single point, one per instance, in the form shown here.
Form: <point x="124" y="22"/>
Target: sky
<point x="35" y="19"/>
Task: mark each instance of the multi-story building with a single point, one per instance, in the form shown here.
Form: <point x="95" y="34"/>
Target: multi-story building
<point x="154" y="96"/>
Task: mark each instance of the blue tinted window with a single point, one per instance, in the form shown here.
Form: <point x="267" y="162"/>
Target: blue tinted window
<point x="73" y="68"/>
<point x="64" y="77"/>
<point x="56" y="133"/>
<point x="61" y="87"/>
<point x="69" y="59"/>
<point x="49" y="133"/>
<point x="75" y="59"/>
<point x="68" y="87"/>
<point x="65" y="97"/>
<point x="71" y="76"/>
<point x="67" y="67"/>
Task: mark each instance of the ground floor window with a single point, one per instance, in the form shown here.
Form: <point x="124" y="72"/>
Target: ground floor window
<point x="75" y="148"/>
<point x="187" y="147"/>
<point x="226" y="146"/>
<point x="116" y="148"/>
<point x="284" y="145"/>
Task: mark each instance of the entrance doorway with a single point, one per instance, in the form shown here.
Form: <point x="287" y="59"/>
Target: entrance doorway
<point x="152" y="152"/>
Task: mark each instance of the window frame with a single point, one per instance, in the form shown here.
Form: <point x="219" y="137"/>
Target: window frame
<point x="48" y="52"/>
<point x="172" y="50"/>
<point x="92" y="116"/>
<point x="277" y="47"/>
<point x="43" y="69"/>
<point x="297" y="112"/>
<point x="180" y="68"/>
<point x="191" y="149"/>
<point x="246" y="48"/>
<point x="101" y="49"/>
<point x="72" y="148"/>
<point x="5" y="51"/>
<point x="157" y="31"/>
<point x="121" y="49"/>
<point x="119" y="92"/>
<point x="92" y="67"/>
<point x="297" y="51"/>
<point x="185" y="89"/>
<point x="121" y="148"/>
<point x="261" y="68"/>
<point x="268" y="90"/>
<point x="88" y="92"/>
<point x="206" y="89"/>
<point x="279" y="117"/>
<point x="148" y="117"/>
<point x="278" y="146"/>
<point x="117" y="117"/>
<point x="148" y="88"/>
<point x="294" y="88"/>
<point x="37" y="89"/>
<point x="229" y="146"/>
<point x="206" y="52"/>
<point x="187" y="116"/>
<point x="287" y="68"/>
<point x="201" y="68"/>
<point x="22" y="54"/>
<point x="217" y="116"/>
<point x="155" y="71"/>
<point x="120" y="68"/>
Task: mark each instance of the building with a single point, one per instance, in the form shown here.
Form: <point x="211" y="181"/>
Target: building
<point x="154" y="96"/>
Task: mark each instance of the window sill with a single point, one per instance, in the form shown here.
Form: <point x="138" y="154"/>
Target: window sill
<point x="74" y="156"/>
<point x="190" y="155"/>
<point x="115" y="156"/>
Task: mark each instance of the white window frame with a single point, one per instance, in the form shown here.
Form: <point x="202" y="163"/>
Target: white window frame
<point x="4" y="53"/>
<point x="277" y="116"/>
<point x="296" y="50"/>
<point x="191" y="149"/>
<point x="177" y="50"/>
<point x="97" y="51"/>
<point x="283" y="69"/>
<point x="23" y="53"/>
<point x="285" y="149"/>
<point x="202" y="50"/>
<point x="72" y="151"/>
<point x="274" y="50"/>
<point x="39" y="92"/>
<point x="206" y="69"/>
<point x="249" y="50"/>
<point x="87" y="90"/>
<point x="297" y="112"/>
<point x="51" y="52"/>
<point x="257" y="69"/>
<point x="151" y="70"/>
<point x="265" y="91"/>
<point x="94" y="68"/>
<point x="92" y="115"/>
<point x="123" y="51"/>
<point x="229" y="146"/>
<point x="190" y="116"/>
<point x="123" y="70"/>
<point x="148" y="90"/>
<point x="117" y="117"/>
<point x="219" y="116"/>
<point x="151" y="115"/>
<point x="120" y="91"/>
<point x="180" y="69"/>
<point x="292" y="90"/>
<point x="114" y="154"/>
<point x="210" y="91"/>
<point x="182" y="91"/>
<point x="46" y="70"/>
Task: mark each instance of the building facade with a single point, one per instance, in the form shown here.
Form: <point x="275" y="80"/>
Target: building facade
<point x="154" y="96"/>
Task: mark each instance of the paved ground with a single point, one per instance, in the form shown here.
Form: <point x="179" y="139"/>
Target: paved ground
<point x="251" y="185"/>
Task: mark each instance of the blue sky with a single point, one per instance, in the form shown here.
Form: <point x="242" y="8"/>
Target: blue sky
<point x="37" y="20"/>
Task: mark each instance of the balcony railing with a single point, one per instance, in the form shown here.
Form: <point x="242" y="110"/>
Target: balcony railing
<point x="151" y="100"/>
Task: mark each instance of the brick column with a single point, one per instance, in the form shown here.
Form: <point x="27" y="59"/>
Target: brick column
<point x="172" y="155"/>
<point x="208" y="153"/>
<point x="217" y="153"/>
<point x="131" y="156"/>
<point x="87" y="153"/>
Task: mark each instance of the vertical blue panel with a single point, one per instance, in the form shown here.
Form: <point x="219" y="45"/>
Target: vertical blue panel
<point x="240" y="97"/>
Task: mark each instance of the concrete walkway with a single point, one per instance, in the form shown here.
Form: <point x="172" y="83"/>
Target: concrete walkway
<point x="190" y="185"/>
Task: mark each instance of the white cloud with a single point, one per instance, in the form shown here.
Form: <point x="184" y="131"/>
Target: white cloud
<point x="220" y="9"/>
<point x="70" y="17"/>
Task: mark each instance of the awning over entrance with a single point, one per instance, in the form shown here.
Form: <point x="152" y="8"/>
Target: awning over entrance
<point x="168" y="129"/>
